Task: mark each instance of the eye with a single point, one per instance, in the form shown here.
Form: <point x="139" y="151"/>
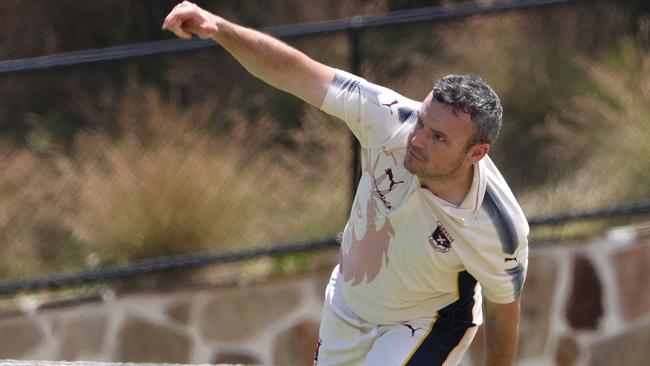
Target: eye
<point x="438" y="137"/>
<point x="418" y="125"/>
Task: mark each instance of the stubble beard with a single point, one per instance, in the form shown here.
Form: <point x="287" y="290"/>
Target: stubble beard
<point x="434" y="176"/>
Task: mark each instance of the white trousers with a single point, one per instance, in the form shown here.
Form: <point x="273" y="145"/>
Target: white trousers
<point x="347" y="339"/>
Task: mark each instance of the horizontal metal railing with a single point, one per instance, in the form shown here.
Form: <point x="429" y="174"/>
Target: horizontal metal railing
<point x="166" y="264"/>
<point x="356" y="23"/>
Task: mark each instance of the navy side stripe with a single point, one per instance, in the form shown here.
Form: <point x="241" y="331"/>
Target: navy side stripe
<point x="501" y="220"/>
<point x="507" y="234"/>
<point x="518" y="276"/>
<point x="450" y="327"/>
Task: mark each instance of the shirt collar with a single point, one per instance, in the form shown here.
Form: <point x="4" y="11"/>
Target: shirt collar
<point x="471" y="205"/>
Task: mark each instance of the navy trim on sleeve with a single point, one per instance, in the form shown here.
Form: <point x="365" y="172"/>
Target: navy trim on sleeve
<point x="501" y="220"/>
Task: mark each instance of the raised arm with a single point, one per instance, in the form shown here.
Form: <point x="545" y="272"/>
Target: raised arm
<point x="265" y="57"/>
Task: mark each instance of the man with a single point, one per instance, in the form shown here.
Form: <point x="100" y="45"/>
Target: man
<point x="433" y="221"/>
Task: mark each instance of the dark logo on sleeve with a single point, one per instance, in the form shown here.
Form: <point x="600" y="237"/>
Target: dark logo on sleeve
<point x="440" y="239"/>
<point x="390" y="105"/>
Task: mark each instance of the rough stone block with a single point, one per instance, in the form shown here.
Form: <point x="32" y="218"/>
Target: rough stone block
<point x="536" y="301"/>
<point x="142" y="341"/>
<point x="584" y="308"/>
<point x="18" y="337"/>
<point x="632" y="269"/>
<point x="81" y="337"/>
<point x="567" y="352"/>
<point x="235" y="358"/>
<point x="180" y="312"/>
<point x="297" y="345"/>
<point x="237" y="313"/>
<point x="627" y="349"/>
<point x="320" y="282"/>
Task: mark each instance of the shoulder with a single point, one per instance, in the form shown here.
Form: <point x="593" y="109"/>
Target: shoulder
<point x="387" y="100"/>
<point x="504" y="211"/>
<point x="373" y="113"/>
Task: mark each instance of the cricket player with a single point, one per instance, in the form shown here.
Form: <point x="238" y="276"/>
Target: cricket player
<point x="434" y="233"/>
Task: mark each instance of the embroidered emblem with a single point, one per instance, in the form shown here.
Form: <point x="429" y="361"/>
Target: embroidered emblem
<point x="440" y="239"/>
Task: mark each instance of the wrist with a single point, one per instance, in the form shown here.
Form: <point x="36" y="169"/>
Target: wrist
<point x="222" y="27"/>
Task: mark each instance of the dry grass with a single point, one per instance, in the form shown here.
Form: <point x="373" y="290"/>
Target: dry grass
<point x="613" y="115"/>
<point x="612" y="119"/>
<point x="167" y="184"/>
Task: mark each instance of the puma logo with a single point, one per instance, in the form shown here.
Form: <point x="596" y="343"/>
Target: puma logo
<point x="393" y="183"/>
<point x="413" y="330"/>
<point x="390" y="105"/>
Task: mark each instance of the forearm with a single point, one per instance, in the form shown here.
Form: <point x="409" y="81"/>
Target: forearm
<point x="501" y="334"/>
<point x="501" y="348"/>
<point x="275" y="62"/>
<point x="265" y="57"/>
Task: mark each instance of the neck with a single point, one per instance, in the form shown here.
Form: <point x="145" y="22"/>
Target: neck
<point x="452" y="189"/>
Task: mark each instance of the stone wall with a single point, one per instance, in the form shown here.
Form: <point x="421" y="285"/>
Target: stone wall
<point x="584" y="304"/>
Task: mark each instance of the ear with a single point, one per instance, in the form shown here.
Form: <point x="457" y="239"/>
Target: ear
<point x="477" y="152"/>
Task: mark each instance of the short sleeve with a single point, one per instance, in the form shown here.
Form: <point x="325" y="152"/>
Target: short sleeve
<point x="500" y="274"/>
<point x="373" y="113"/>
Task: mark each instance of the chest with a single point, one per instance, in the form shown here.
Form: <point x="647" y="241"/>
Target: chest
<point x="426" y="238"/>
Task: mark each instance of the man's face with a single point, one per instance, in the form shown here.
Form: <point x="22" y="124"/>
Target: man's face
<point x="437" y="147"/>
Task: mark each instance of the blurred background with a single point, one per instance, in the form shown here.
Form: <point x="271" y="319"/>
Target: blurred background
<point x="114" y="162"/>
<point x="117" y="161"/>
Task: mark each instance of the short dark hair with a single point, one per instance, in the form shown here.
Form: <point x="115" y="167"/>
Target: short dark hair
<point x="472" y="95"/>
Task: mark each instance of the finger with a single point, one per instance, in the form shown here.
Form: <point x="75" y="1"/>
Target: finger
<point x="181" y="32"/>
<point x="184" y="3"/>
<point x="172" y="14"/>
<point x="176" y="27"/>
<point x="209" y="27"/>
<point x="170" y="23"/>
<point x="167" y="22"/>
<point x="177" y="16"/>
<point x="172" y="18"/>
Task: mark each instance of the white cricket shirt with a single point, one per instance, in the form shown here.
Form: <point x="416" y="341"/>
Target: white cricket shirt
<point x="403" y="248"/>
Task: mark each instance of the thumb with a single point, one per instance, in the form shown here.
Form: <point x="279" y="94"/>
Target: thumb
<point x="209" y="27"/>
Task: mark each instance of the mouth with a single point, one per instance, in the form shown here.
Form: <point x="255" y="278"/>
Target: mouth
<point x="413" y="154"/>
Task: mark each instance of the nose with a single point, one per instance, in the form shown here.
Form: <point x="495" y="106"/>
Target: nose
<point x="417" y="137"/>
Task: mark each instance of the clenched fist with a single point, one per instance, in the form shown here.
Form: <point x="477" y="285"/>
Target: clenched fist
<point x="187" y="19"/>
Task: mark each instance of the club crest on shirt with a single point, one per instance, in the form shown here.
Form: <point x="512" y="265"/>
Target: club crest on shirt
<point x="440" y="239"/>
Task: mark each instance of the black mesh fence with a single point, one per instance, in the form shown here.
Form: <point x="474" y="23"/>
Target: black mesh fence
<point x="193" y="261"/>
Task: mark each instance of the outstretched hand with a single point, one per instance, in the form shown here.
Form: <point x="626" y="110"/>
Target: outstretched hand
<point x="187" y="19"/>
